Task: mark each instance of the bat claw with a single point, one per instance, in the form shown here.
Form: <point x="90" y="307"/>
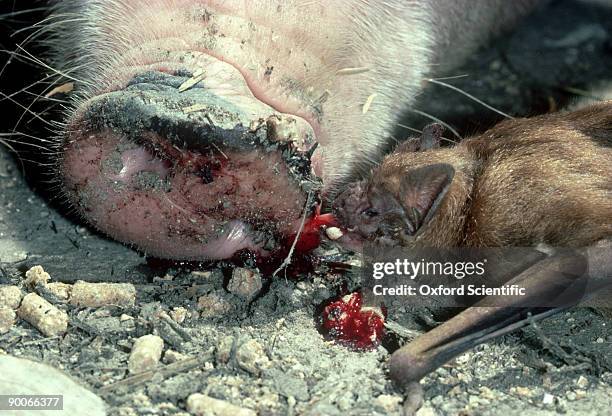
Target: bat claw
<point x="413" y="399"/>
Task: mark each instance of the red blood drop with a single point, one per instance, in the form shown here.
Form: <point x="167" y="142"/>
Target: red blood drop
<point x="349" y="323"/>
<point x="310" y="238"/>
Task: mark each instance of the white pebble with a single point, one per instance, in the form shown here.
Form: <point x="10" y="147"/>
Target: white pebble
<point x="42" y="315"/>
<point x="7" y="319"/>
<point x="36" y="275"/>
<point x="333" y="233"/>
<point x="10" y="296"/>
<point x="202" y="405"/>
<point x="146" y="352"/>
<point x="582" y="382"/>
<point x="251" y="357"/>
<point x="95" y="295"/>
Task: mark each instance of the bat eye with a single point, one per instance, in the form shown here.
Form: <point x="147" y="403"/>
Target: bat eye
<point x="370" y="212"/>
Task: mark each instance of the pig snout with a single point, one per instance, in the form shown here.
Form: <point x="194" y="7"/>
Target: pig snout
<point x="181" y="170"/>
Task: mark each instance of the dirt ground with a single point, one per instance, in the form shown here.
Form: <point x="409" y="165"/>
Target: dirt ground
<point x="266" y="354"/>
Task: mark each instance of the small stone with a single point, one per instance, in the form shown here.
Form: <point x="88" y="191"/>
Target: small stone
<point x="455" y="391"/>
<point x="145" y="354"/>
<point x="580" y="394"/>
<point x="36" y="275"/>
<point x="389" y="403"/>
<point x="548" y="399"/>
<point x="95" y="295"/>
<point x="42" y="315"/>
<point x="172" y="356"/>
<point x="200" y="275"/>
<point x="426" y="411"/>
<point x="213" y="304"/>
<point x="437" y="400"/>
<point x="251" y="357"/>
<point x="124" y="317"/>
<point x="473" y="399"/>
<point x="582" y="382"/>
<point x="178" y="314"/>
<point x="202" y="405"/>
<point x="224" y="349"/>
<point x="7" y="319"/>
<point x="10" y="296"/>
<point x="62" y="291"/>
<point x="464" y="358"/>
<point x="486" y="393"/>
<point x="333" y="233"/>
<point x="245" y="283"/>
<point x="521" y="391"/>
<point x="167" y="278"/>
<point x="288" y="385"/>
<point x="600" y="340"/>
<point x="570" y="395"/>
<point x="25" y="377"/>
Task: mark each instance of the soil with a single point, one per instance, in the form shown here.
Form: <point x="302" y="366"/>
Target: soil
<point x="267" y="354"/>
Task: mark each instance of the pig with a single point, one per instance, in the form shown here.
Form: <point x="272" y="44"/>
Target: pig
<point x="198" y="129"/>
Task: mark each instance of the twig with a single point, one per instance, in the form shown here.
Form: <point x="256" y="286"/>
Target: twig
<point x="165" y="372"/>
<point x="287" y="260"/>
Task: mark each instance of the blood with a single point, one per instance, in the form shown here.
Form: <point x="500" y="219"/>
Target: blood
<point x="346" y="321"/>
<point x="310" y="237"/>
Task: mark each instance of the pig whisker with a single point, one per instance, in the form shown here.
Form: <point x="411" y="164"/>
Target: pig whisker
<point x="31" y="58"/>
<point x="352" y="71"/>
<point x="450" y="77"/>
<point x="44" y="111"/>
<point x="470" y="96"/>
<point x="27" y="110"/>
<point x="5" y="16"/>
<point x="420" y="132"/>
<point x="47" y="98"/>
<point x="413" y="129"/>
<point x="437" y="120"/>
<point x="8" y="137"/>
<point x="24" y="89"/>
<point x="8" y="142"/>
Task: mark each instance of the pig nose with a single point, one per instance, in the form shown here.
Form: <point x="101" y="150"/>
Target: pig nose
<point x="183" y="171"/>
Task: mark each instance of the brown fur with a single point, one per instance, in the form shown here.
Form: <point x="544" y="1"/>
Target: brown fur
<point x="546" y="179"/>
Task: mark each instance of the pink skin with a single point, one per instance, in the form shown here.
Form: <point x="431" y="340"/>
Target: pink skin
<point x="171" y="214"/>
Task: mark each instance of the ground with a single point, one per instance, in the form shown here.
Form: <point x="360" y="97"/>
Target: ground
<point x="267" y="354"/>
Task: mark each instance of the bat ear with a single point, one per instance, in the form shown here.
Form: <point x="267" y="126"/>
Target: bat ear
<point x="431" y="136"/>
<point x="421" y="192"/>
